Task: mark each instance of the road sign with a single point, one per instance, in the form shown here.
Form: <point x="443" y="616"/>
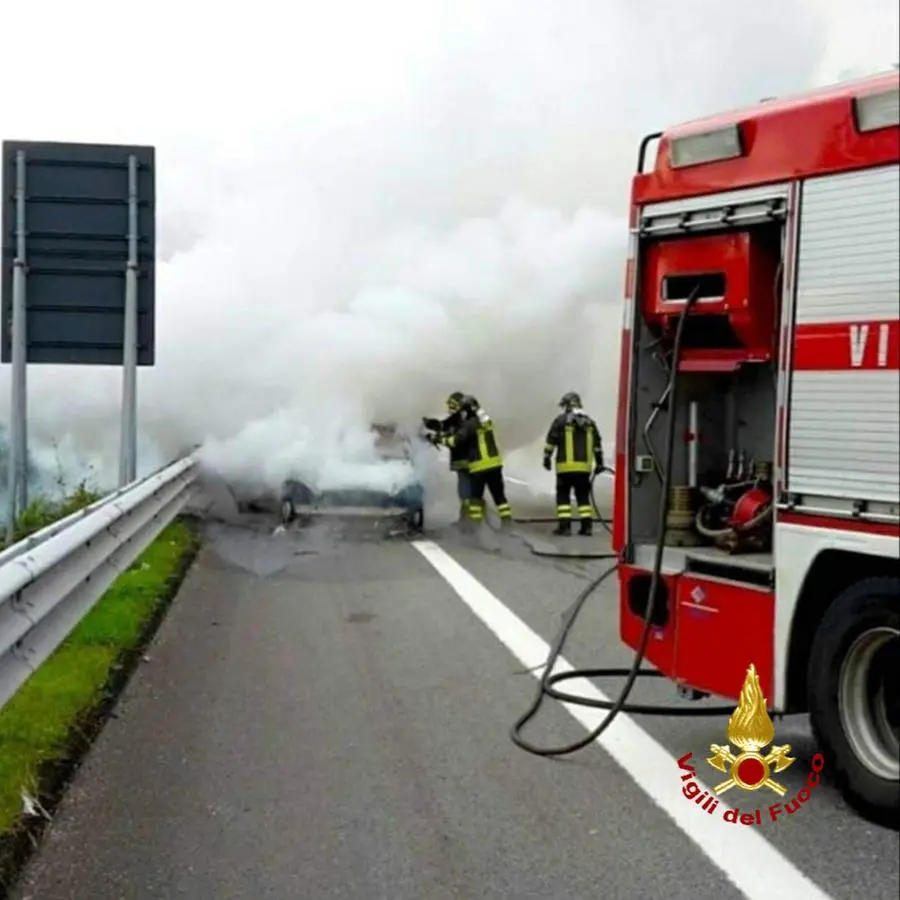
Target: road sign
<point x="76" y="251"/>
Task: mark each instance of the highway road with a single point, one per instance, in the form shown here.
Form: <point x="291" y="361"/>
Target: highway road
<point x="326" y="715"/>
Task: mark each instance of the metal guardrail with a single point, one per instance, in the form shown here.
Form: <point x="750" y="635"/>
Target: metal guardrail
<point x="37" y="537"/>
<point x="50" y="581"/>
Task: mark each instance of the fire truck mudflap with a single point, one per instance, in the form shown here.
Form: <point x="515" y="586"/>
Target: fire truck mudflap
<point x="783" y="537"/>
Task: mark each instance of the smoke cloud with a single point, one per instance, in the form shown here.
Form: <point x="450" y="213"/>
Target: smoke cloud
<point x="366" y="207"/>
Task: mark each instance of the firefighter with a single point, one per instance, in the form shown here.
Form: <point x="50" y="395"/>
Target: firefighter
<point x="477" y="440"/>
<point x="575" y="438"/>
<point x="459" y="462"/>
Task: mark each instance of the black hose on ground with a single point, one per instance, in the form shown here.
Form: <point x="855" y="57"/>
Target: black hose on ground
<point x="598" y="516"/>
<point x="578" y="553"/>
<point x="548" y="680"/>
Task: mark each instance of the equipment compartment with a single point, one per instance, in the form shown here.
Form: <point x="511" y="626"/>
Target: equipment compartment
<point x="721" y="489"/>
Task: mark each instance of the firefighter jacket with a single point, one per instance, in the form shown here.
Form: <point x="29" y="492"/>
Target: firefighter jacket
<point x="458" y="453"/>
<point x="576" y="439"/>
<point x="477" y="443"/>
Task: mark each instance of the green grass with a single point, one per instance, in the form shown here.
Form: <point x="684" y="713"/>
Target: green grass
<point x="40" y="512"/>
<point x="36" y="723"/>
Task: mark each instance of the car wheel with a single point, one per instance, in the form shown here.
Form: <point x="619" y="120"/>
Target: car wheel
<point x="288" y="511"/>
<point x="854" y="700"/>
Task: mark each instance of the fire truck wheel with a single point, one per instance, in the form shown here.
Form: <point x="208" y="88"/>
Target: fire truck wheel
<point x="853" y="695"/>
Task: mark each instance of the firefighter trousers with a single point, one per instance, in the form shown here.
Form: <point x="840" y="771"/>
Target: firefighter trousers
<point x="580" y="484"/>
<point x="463" y="490"/>
<point x="492" y="480"/>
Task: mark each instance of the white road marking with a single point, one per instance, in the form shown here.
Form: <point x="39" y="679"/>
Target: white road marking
<point x="746" y="858"/>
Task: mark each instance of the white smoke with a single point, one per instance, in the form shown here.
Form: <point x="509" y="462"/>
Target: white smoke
<point x="366" y="206"/>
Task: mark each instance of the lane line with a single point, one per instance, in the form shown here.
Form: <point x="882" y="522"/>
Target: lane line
<point x="752" y="864"/>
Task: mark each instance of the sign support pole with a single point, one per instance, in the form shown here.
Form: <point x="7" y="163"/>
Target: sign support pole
<point x="128" y="436"/>
<point x="18" y="434"/>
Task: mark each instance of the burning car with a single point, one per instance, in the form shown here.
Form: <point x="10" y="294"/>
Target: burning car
<point x="398" y="495"/>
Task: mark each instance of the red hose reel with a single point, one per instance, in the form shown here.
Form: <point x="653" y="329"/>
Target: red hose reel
<point x="750" y="509"/>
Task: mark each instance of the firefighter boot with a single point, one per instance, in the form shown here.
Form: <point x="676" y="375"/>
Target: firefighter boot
<point x="563" y="527"/>
<point x="587" y="527"/>
<point x="464" y="523"/>
<point x="475" y="516"/>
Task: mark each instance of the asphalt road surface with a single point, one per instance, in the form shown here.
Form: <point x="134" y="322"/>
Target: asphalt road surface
<point x="326" y="715"/>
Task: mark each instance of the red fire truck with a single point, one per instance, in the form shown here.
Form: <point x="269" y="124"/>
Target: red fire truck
<point x="781" y="223"/>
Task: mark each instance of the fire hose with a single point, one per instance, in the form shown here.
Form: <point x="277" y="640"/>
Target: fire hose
<point x="598" y="516"/>
<point x="549" y="680"/>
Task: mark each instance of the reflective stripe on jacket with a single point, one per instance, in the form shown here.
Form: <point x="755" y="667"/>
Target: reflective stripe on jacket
<point x="477" y="442"/>
<point x="576" y="439"/>
<point x="458" y="455"/>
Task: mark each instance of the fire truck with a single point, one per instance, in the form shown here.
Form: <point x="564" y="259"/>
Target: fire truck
<point x="778" y="226"/>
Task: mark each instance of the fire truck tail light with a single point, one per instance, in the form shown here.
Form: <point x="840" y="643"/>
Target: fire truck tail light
<point x="875" y="111"/>
<point x="706" y="147"/>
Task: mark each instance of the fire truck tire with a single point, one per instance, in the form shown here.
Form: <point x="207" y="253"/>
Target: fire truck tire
<point x="853" y="701"/>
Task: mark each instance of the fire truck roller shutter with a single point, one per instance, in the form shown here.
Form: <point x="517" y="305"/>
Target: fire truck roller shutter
<point x="845" y="392"/>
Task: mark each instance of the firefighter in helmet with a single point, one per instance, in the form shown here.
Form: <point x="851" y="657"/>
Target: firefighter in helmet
<point x="476" y="439"/>
<point x="459" y="462"/>
<point x="574" y="437"/>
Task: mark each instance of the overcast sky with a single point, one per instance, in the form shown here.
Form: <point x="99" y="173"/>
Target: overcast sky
<point x="363" y="204"/>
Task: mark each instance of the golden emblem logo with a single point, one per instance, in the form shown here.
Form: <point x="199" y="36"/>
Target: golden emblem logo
<point x="751" y="730"/>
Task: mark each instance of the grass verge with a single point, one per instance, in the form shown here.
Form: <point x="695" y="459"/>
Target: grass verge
<point x="48" y="725"/>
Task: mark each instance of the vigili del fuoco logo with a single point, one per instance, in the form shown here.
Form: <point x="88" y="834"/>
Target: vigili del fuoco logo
<point x="751" y="730"/>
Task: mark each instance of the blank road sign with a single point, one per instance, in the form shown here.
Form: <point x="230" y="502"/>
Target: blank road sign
<point x="76" y="249"/>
